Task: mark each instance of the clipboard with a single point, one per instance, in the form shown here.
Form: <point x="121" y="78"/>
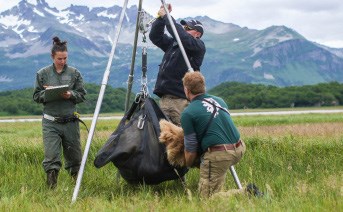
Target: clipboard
<point x="53" y="93"/>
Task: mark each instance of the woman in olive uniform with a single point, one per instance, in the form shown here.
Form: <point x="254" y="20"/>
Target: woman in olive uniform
<point x="59" y="124"/>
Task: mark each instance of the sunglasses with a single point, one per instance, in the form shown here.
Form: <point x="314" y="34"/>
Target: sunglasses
<point x="187" y="28"/>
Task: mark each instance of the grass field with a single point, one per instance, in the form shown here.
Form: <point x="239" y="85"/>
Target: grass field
<point x="296" y="160"/>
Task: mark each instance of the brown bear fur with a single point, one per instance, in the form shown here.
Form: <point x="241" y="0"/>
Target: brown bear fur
<point x="172" y="136"/>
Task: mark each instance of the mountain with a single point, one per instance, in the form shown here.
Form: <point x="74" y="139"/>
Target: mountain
<point x="276" y="55"/>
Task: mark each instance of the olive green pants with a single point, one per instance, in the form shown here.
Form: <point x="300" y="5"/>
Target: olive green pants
<point x="173" y="106"/>
<point x="213" y="169"/>
<point x="58" y="137"/>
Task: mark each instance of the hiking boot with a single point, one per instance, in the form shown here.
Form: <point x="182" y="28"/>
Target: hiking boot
<point x="52" y="178"/>
<point x="252" y="189"/>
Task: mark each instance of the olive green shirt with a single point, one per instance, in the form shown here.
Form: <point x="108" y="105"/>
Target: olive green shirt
<point x="48" y="76"/>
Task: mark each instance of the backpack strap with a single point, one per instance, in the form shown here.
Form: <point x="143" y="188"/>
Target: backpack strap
<point x="208" y="124"/>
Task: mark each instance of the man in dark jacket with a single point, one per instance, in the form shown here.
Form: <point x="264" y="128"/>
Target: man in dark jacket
<point x="173" y="66"/>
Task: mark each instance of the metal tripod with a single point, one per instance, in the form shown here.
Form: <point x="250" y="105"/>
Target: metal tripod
<point x="105" y="81"/>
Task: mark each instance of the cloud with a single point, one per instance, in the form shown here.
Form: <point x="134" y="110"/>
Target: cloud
<point x="319" y="21"/>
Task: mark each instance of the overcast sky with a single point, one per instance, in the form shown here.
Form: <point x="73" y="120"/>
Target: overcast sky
<point x="317" y="20"/>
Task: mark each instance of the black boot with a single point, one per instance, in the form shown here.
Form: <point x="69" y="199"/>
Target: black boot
<point x="74" y="175"/>
<point x="52" y="178"/>
<point x="252" y="189"/>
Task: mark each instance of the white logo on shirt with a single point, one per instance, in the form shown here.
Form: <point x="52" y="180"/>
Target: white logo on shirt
<point x="209" y="107"/>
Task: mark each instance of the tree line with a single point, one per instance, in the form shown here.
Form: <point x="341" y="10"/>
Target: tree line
<point x="237" y="95"/>
<point x="241" y="95"/>
<point x="20" y="102"/>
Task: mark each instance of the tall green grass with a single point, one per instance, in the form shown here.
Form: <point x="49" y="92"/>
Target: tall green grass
<point x="296" y="172"/>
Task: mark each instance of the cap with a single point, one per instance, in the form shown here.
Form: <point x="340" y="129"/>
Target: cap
<point x="194" y="24"/>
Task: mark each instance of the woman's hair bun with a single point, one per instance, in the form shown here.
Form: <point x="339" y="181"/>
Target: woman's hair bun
<point x="58" y="42"/>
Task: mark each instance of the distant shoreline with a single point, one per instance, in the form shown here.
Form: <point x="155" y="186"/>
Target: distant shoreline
<point x="117" y="117"/>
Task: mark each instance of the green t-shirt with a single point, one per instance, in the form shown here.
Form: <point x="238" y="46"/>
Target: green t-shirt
<point x="195" y="117"/>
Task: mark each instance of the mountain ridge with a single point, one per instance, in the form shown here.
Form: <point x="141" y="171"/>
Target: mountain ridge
<point x="277" y="55"/>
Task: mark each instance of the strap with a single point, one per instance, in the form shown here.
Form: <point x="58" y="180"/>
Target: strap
<point x="208" y="124"/>
<point x="133" y="107"/>
<point x="77" y="117"/>
<point x="83" y="123"/>
<point x="183" y="182"/>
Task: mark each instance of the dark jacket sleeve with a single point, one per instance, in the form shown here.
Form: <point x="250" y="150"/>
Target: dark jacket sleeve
<point x="157" y="35"/>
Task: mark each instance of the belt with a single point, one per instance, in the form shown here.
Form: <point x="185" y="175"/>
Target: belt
<point x="223" y="147"/>
<point x="51" y="118"/>
<point x="60" y="119"/>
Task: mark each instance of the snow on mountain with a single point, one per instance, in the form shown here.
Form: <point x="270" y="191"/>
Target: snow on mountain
<point x="276" y="55"/>
<point x="23" y="24"/>
<point x="98" y="26"/>
<point x="272" y="36"/>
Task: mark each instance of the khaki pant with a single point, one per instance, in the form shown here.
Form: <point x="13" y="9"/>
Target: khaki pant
<point x="173" y="106"/>
<point x="213" y="169"/>
<point x="64" y="136"/>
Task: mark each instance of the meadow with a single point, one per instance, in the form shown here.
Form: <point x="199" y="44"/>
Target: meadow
<point x="296" y="160"/>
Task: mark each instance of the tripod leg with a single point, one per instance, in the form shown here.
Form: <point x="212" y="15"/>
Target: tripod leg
<point x="235" y="177"/>
<point x="118" y="177"/>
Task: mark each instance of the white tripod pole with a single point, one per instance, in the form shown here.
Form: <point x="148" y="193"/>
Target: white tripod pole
<point x="98" y="105"/>
<point x="177" y="37"/>
<point x="235" y="177"/>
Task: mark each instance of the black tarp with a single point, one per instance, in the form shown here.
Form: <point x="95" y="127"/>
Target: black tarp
<point x="134" y="147"/>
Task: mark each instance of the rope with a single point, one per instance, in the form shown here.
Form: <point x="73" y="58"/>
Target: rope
<point x="184" y="185"/>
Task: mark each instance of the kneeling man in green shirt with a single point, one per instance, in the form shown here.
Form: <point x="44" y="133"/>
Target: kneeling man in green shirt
<point x="210" y="132"/>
